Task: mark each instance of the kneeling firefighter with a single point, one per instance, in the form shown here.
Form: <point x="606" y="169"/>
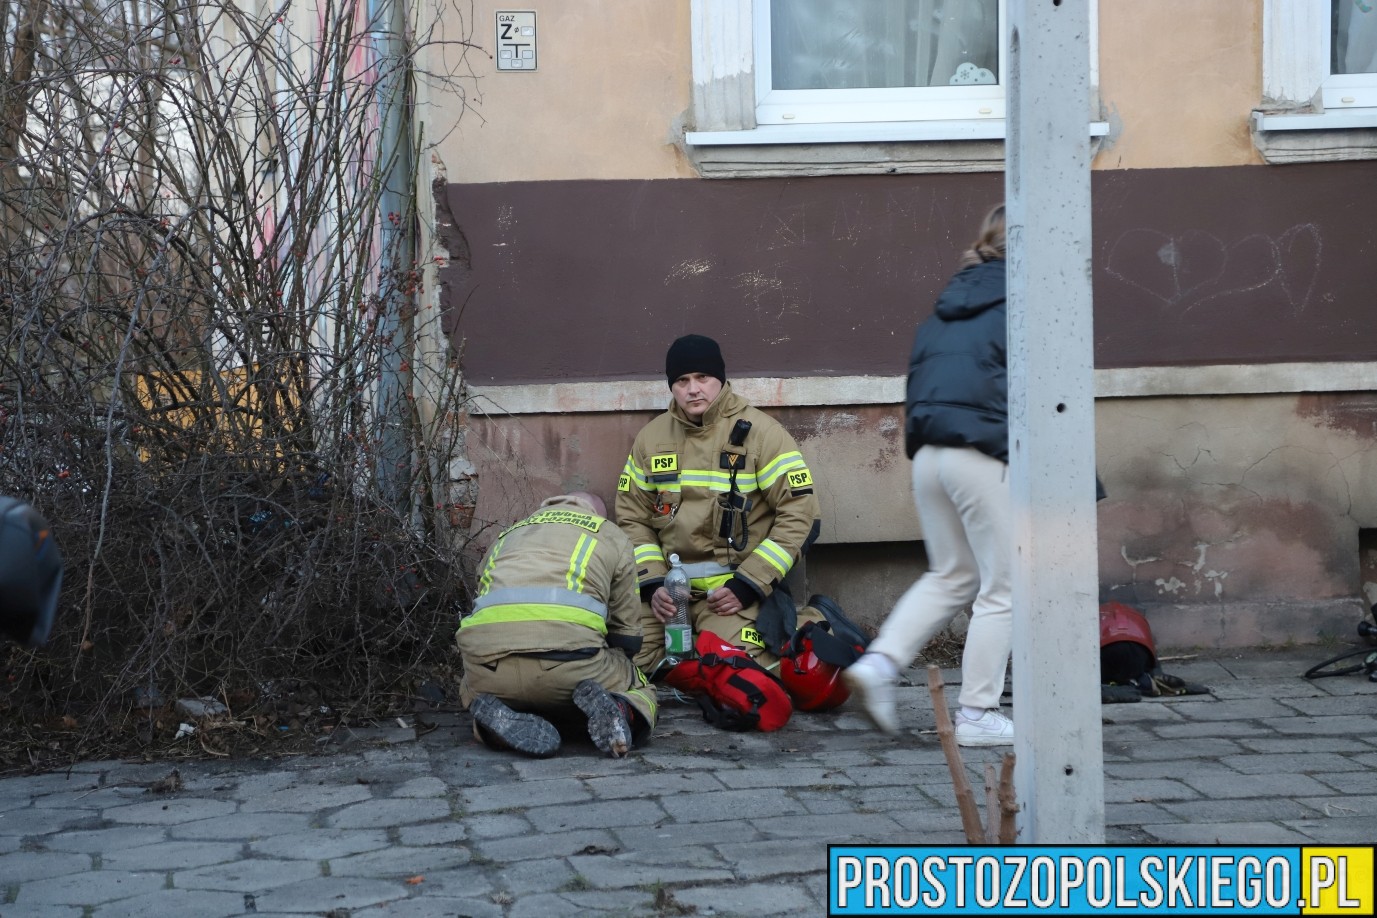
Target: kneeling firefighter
<point x="552" y="634"/>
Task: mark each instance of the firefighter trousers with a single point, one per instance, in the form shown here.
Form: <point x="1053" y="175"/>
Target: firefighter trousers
<point x="546" y="686"/>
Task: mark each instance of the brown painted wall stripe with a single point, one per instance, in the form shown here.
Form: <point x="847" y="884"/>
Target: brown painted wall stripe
<point x="828" y="276"/>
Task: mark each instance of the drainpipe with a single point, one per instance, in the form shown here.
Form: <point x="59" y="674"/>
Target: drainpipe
<point x="397" y="162"/>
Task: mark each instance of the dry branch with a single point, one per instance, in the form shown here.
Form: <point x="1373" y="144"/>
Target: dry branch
<point x="1008" y="802"/>
<point x="991" y="805"/>
<point x="965" y="797"/>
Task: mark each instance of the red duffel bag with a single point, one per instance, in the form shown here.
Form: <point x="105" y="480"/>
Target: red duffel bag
<point x="734" y="691"/>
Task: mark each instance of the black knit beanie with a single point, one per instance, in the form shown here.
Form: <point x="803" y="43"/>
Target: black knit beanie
<point x="694" y="354"/>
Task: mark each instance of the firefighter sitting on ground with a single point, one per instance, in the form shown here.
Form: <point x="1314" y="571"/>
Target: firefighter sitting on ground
<point x="553" y="632"/>
<point x="723" y="486"/>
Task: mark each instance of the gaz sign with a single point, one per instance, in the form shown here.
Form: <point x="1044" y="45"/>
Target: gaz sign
<point x="516" y="40"/>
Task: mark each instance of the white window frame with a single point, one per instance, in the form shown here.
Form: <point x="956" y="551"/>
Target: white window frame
<point x="730" y="108"/>
<point x="842" y="106"/>
<point x="1295" y="64"/>
<point x="1345" y="90"/>
<point x="1308" y="115"/>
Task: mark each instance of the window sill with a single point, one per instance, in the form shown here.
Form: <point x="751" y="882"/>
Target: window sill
<point x="1332" y="136"/>
<point x="864" y="132"/>
<point x="854" y="149"/>
<point x="598" y="396"/>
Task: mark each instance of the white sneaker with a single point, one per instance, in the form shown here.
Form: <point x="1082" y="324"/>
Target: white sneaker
<point x="990" y="729"/>
<point x="876" y="693"/>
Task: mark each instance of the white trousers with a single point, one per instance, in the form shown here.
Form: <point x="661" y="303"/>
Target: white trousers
<point x="962" y="497"/>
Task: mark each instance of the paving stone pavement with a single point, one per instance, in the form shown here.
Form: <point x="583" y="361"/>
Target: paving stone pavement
<point x="422" y="822"/>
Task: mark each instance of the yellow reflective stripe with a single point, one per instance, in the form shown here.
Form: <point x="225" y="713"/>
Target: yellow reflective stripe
<point x="648" y="697"/>
<point x="649" y="553"/>
<point x="535" y="612"/>
<point x="708" y="584"/>
<point x="637" y="476"/>
<point x="485" y="581"/>
<point x="578" y="561"/>
<point x="777" y="557"/>
<point x="782" y="463"/>
<point x="718" y="481"/>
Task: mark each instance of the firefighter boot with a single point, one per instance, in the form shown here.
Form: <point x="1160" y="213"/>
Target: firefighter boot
<point x="609" y="723"/>
<point x="499" y="727"/>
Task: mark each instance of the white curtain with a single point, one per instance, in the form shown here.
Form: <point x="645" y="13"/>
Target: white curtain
<point x="1354" y="40"/>
<point x="854" y="44"/>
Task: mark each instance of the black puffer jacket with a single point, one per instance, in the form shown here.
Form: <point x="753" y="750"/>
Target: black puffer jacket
<point x="958" y="377"/>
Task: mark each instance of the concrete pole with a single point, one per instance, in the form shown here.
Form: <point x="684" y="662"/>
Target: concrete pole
<point x="390" y="20"/>
<point x="1059" y="775"/>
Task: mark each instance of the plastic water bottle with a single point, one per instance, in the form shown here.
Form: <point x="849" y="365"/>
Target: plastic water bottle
<point x="678" y="631"/>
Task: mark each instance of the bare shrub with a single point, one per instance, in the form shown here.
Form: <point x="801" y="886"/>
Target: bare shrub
<point x="208" y="319"/>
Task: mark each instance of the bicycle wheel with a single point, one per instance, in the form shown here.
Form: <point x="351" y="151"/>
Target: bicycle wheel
<point x="1340" y="665"/>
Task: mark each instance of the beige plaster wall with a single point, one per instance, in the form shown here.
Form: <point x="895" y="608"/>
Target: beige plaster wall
<point x="605" y="102"/>
<point x="1236" y="520"/>
<point x="856" y="454"/>
<point x="1178" y="79"/>
<point x="1178" y="82"/>
<point x="1231" y="521"/>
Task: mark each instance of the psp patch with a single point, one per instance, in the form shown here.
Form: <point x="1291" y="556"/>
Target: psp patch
<point x="623" y="482"/>
<point x="751" y="636"/>
<point x="662" y="464"/>
<point x="800" y="478"/>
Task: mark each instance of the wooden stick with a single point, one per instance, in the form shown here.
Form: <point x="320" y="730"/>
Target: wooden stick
<point x="991" y="805"/>
<point x="1008" y="802"/>
<point x="965" y="797"/>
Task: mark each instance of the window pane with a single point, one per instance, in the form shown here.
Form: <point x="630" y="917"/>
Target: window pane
<point x="874" y="44"/>
<point x="1353" y="44"/>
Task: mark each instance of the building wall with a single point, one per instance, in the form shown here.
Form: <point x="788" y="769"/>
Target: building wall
<point x="606" y="101"/>
<point x="613" y="91"/>
<point x="1236" y="359"/>
<point x="1178" y="79"/>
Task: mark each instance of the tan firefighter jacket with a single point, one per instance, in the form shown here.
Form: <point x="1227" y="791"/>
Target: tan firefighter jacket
<point x="559" y="580"/>
<point x="677" y="485"/>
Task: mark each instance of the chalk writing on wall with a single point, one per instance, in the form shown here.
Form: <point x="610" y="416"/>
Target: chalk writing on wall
<point x="1195" y="268"/>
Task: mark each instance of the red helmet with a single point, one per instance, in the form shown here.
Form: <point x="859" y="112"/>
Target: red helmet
<point x="813" y="684"/>
<point x="1119" y="622"/>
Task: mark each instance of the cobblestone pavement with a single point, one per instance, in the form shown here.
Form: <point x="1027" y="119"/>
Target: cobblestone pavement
<point x="419" y="822"/>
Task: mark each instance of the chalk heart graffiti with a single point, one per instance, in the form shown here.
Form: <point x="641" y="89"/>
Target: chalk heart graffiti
<point x="1195" y="267"/>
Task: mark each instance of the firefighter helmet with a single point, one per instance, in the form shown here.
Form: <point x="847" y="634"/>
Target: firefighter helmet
<point x="30" y="573"/>
<point x="1119" y="622"/>
<point x="1126" y="646"/>
<point x="813" y="684"/>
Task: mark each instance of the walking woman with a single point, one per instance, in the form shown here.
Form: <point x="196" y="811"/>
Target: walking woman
<point x="957" y="434"/>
